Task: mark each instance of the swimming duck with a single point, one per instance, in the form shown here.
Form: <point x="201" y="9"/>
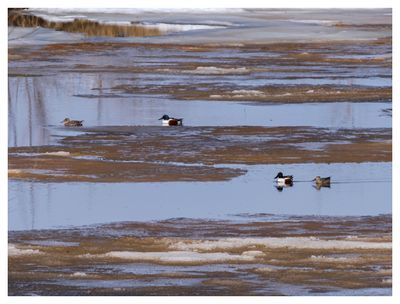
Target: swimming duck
<point x="72" y="123"/>
<point x="170" y="121"/>
<point x="322" y="181"/>
<point x="284" y="180"/>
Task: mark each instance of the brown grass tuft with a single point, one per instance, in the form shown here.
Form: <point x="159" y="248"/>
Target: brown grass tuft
<point x="87" y="27"/>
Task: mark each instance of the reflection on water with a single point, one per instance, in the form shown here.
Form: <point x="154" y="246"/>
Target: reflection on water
<point x="38" y="104"/>
<point x="356" y="189"/>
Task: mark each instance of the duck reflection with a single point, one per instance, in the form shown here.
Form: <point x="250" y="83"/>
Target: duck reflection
<point x="281" y="186"/>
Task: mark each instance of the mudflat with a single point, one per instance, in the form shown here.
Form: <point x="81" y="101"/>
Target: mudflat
<point x="142" y="154"/>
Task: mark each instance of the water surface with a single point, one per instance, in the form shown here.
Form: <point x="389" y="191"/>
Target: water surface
<point x="357" y="189"/>
<point x="38" y="104"/>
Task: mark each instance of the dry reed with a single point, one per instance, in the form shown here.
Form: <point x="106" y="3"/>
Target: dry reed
<point x="90" y="28"/>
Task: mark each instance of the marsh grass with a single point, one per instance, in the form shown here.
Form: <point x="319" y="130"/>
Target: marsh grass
<point x="87" y="27"/>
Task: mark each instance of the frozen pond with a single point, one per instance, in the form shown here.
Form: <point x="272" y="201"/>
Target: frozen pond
<point x="222" y="25"/>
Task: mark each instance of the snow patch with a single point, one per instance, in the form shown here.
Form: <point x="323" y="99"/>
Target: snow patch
<point x="240" y="94"/>
<point x="218" y="71"/>
<point x="79" y="274"/>
<point x="316" y="21"/>
<point x="14" y="251"/>
<point x="58" y="153"/>
<point x="130" y="11"/>
<point x="284" y="242"/>
<point x="322" y="258"/>
<point x="54" y="153"/>
<point x="182" y="256"/>
<point x="253" y="253"/>
<point x="248" y="92"/>
<point x="179" y="27"/>
<point x="60" y="18"/>
<point x="15" y="171"/>
<point x="266" y="269"/>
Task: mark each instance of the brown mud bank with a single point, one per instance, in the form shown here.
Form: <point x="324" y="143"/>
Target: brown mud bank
<point x="289" y="55"/>
<point x="266" y="94"/>
<point x="50" y="168"/>
<point x="285" y="54"/>
<point x="293" y="256"/>
<point x="138" y="154"/>
<point x="295" y="49"/>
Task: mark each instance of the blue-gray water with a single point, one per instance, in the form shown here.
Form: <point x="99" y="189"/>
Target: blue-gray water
<point x="37" y="105"/>
<point x="357" y="189"/>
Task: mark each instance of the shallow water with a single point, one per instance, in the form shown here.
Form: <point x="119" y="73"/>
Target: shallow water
<point x="357" y="189"/>
<point x="38" y="104"/>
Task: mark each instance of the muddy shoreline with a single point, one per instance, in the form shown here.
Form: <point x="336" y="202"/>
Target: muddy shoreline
<point x="265" y="257"/>
<point x="148" y="154"/>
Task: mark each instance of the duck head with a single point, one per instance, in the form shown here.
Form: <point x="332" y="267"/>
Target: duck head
<point x="317" y="179"/>
<point x="65" y="120"/>
<point x="164" y="117"/>
<point x="279" y="175"/>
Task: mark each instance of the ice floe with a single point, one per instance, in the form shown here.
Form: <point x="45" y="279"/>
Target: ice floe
<point x="216" y="70"/>
<point x="182" y="256"/>
<point x="14" y="251"/>
<point x="273" y="242"/>
<point x="79" y="274"/>
<point x="179" y="27"/>
<point x="247" y="93"/>
<point x="15" y="171"/>
<point x="328" y="259"/>
<point x="58" y="153"/>
<point x="315" y="21"/>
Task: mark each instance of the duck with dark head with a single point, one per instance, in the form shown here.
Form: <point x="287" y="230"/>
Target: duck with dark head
<point x="170" y="121"/>
<point x="284" y="179"/>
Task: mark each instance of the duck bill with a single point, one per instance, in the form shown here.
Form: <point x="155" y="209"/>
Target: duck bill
<point x="160" y="118"/>
<point x="276" y="176"/>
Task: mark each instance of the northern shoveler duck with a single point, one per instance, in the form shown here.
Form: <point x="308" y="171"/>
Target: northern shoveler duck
<point x="72" y="123"/>
<point x="170" y="121"/>
<point x="284" y="179"/>
<point x="322" y="181"/>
